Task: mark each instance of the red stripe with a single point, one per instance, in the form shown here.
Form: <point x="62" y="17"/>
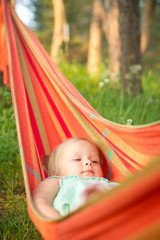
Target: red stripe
<point x="35" y="128"/>
<point x="58" y="115"/>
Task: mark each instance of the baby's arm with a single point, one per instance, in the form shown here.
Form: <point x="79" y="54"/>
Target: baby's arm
<point x="43" y="196"/>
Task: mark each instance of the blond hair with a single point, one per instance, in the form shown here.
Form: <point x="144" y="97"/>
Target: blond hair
<point x="51" y="163"/>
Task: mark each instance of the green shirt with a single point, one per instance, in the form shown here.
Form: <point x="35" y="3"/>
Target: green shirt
<point x="70" y="196"/>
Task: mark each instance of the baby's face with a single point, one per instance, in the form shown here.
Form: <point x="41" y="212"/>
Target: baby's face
<point x="82" y="159"/>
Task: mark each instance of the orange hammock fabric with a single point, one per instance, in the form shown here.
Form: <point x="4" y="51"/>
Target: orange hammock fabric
<point x="48" y="110"/>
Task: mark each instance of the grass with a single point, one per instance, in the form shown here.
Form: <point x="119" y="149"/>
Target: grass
<point x="15" y="222"/>
<point x="108" y="100"/>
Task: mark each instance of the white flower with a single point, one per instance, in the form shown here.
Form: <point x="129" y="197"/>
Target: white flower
<point x="129" y="122"/>
<point x="106" y="80"/>
<point x="101" y="84"/>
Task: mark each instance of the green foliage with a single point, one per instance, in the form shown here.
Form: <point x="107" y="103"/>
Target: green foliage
<point x="43" y="16"/>
<point x="109" y="100"/>
<point x="152" y="58"/>
<point x="9" y="153"/>
<point x="78" y="16"/>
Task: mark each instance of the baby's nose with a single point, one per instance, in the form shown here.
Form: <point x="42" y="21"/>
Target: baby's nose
<point x="88" y="162"/>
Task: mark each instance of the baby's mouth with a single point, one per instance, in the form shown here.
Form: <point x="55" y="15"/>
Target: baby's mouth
<point x="88" y="171"/>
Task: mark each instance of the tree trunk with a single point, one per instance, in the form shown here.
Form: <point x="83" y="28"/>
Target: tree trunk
<point x="95" y="39"/>
<point x="59" y="29"/>
<point x="124" y="44"/>
<point x="130" y="58"/>
<point x="105" y="17"/>
<point x="146" y="24"/>
<point x="113" y="37"/>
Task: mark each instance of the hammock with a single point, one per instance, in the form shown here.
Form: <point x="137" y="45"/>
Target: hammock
<point x="48" y="110"/>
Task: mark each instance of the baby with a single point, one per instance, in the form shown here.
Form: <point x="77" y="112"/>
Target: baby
<point x="75" y="174"/>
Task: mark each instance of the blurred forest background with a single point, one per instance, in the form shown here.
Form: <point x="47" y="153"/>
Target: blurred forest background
<point x="115" y="35"/>
<point x="118" y="36"/>
<point x="109" y="50"/>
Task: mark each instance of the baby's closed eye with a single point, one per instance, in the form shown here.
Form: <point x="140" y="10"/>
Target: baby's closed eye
<point x="77" y="159"/>
<point x="95" y="161"/>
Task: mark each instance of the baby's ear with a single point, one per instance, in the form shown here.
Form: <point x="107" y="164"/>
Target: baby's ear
<point x="44" y="163"/>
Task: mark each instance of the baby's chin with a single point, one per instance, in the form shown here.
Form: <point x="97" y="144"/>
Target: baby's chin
<point x="88" y="175"/>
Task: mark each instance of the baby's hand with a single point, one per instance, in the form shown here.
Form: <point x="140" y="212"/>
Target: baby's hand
<point x="92" y="190"/>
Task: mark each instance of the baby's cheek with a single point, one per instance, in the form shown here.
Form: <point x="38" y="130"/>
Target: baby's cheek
<point x="101" y="172"/>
